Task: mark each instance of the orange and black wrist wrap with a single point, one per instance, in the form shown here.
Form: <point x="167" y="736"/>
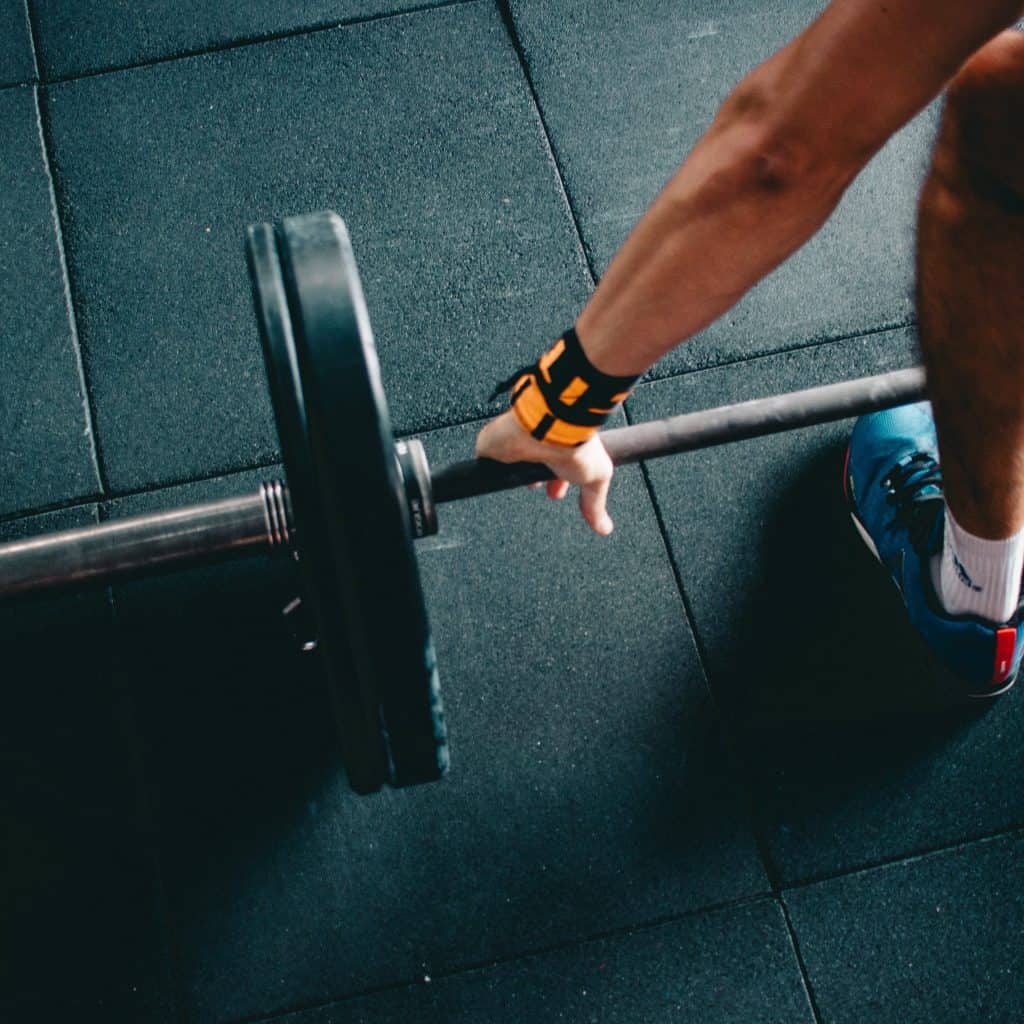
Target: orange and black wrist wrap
<point x="563" y="398"/>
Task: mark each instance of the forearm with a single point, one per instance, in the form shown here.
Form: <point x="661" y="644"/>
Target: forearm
<point x="733" y="211"/>
<point x="772" y="167"/>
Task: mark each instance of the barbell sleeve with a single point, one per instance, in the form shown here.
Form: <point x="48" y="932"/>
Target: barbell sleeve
<point x="192" y="535"/>
<point x="702" y="429"/>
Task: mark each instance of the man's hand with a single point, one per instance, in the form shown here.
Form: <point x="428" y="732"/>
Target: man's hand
<point x="589" y="465"/>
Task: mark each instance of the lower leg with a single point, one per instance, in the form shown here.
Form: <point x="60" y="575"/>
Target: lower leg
<point x="971" y="312"/>
<point x="971" y="290"/>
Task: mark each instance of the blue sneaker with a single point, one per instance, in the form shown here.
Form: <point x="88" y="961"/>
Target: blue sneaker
<point x="894" y="489"/>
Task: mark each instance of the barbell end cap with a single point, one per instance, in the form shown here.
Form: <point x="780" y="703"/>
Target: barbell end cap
<point x="414" y="470"/>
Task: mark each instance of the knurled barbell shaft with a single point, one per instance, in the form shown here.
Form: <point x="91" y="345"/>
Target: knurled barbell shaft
<point x="201" y="533"/>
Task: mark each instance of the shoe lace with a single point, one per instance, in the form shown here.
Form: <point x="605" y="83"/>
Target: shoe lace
<point x="914" y="488"/>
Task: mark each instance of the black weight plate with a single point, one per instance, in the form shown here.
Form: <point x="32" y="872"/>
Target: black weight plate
<point x="356" y="710"/>
<point x="361" y="494"/>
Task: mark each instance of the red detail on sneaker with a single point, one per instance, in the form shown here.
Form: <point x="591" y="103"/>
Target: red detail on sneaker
<point x="1006" y="644"/>
<point x="846" y="472"/>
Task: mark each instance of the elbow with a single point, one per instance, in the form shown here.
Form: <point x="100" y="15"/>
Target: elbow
<point x="762" y="169"/>
<point x="777" y="167"/>
<point x="776" y="154"/>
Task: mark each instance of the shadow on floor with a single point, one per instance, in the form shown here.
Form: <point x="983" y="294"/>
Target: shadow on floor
<point x="849" y="735"/>
<point x="826" y="637"/>
<point x="79" y="906"/>
<point x="238" y="727"/>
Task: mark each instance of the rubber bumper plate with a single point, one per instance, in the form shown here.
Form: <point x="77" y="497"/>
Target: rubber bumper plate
<point x="352" y="524"/>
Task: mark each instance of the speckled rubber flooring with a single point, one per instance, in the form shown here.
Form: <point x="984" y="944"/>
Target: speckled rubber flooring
<point x="688" y="783"/>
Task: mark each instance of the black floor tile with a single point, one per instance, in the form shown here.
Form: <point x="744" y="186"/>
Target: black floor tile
<point x="79" y="917"/>
<point x="807" y="643"/>
<point x="46" y="455"/>
<point x="933" y="941"/>
<point x="419" y="130"/>
<point x="588" y="791"/>
<point x="735" y="965"/>
<point x="76" y="36"/>
<point x="17" y="62"/>
<point x="627" y="89"/>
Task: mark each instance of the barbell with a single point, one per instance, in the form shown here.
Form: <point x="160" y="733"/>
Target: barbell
<point x="356" y="499"/>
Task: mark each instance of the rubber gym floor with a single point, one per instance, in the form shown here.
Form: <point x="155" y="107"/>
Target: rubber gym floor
<point x="690" y="780"/>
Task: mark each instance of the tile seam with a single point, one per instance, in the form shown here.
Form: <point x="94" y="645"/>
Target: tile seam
<point x="418" y="430"/>
<point x="508" y="19"/>
<point x="1015" y="830"/>
<point x="424" y="430"/>
<point x="88" y="403"/>
<point x="94" y="501"/>
<point x="737" y="748"/>
<point x="30" y="28"/>
<point x="113" y="494"/>
<point x="805" y="977"/>
<point x="799" y="346"/>
<point x="253" y="467"/>
<point x="68" y="506"/>
<point x="61" y="506"/>
<point x="624" y="931"/>
<point x="912" y="859"/>
<point x="733" y="747"/>
<point x="247" y="41"/>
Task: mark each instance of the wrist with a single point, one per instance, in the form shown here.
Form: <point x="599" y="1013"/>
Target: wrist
<point x="601" y="331"/>
<point x="564" y="398"/>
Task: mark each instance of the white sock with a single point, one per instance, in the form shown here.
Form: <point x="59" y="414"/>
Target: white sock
<point x="973" y="576"/>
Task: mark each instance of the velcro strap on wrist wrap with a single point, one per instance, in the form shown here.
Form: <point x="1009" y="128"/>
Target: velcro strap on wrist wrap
<point x="564" y="398"/>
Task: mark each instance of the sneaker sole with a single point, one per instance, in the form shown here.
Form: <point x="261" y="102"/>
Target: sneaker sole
<point x="873" y="548"/>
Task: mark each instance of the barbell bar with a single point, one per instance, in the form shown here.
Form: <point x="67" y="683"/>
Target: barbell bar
<point x="262" y="522"/>
<point x="356" y="498"/>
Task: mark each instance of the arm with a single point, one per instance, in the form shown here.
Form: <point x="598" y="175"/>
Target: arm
<point x="762" y="180"/>
<point x="774" y="164"/>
